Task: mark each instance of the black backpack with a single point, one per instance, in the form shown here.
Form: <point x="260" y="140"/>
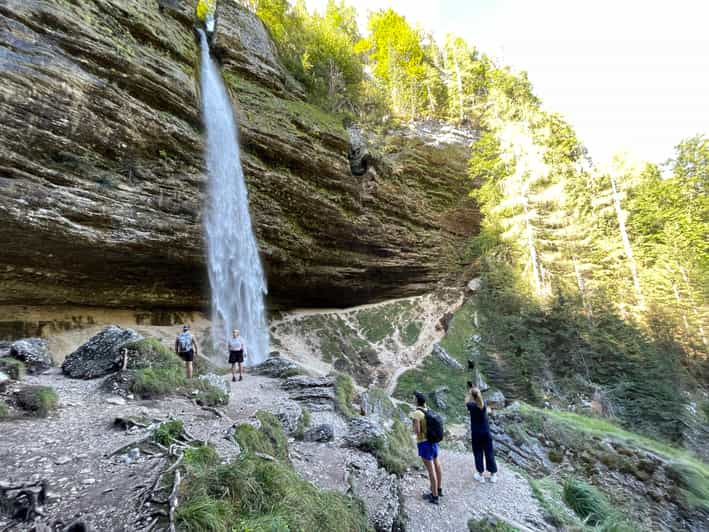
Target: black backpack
<point x="434" y="426"/>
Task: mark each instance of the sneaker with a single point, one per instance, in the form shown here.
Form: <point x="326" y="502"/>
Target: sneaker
<point x="241" y="377"/>
<point x="493" y="478"/>
<point x="477" y="476"/>
<point x="233" y="379"/>
<point x="430" y="498"/>
<point x="440" y="492"/>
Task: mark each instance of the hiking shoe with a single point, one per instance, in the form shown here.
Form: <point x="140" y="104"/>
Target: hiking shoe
<point x="493" y="478"/>
<point x="477" y="476"/>
<point x="430" y="498"/>
<point x="440" y="492"/>
<point x="233" y="379"/>
<point x="241" y="377"/>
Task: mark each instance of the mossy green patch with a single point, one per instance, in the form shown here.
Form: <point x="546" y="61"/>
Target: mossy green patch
<point x="487" y="524"/>
<point x="432" y="373"/>
<point x="203" y="455"/>
<point x="14" y="368"/>
<point x="158" y="382"/>
<point x="270" y="439"/>
<point x="150" y="353"/>
<point x="344" y="395"/>
<point x="410" y="333"/>
<point x="38" y="401"/>
<point x="4" y="409"/>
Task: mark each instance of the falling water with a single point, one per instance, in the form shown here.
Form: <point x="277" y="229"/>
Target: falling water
<point x="235" y="271"/>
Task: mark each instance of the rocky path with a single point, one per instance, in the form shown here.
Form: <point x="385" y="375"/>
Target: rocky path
<point x="510" y="498"/>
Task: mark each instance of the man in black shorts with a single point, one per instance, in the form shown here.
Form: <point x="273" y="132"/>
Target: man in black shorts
<point x="186" y="348"/>
<point x="237" y="352"/>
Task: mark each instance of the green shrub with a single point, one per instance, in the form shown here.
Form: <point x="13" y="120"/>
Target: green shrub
<point x="150" y="353"/>
<point x="208" y="395"/>
<point x="168" y="432"/>
<point x="587" y="501"/>
<point x="4" y="410"/>
<point x="14" y="368"/>
<point x="396" y="451"/>
<point x="252" y="492"/>
<point x="344" y="395"/>
<point x="270" y="439"/>
<point x="37" y="400"/>
<point x="158" y="382"/>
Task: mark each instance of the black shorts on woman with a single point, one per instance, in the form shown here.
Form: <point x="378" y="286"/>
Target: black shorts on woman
<point x="236" y="356"/>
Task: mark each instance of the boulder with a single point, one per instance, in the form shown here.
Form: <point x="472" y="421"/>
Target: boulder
<point x="274" y="366"/>
<point x="289" y="414"/>
<point x="305" y="381"/>
<point x="316" y="393"/>
<point x="218" y="381"/>
<point x="363" y="433"/>
<point x="495" y="400"/>
<point x="5" y="348"/>
<point x="444" y="357"/>
<point x="101" y="355"/>
<point x="320" y="433"/>
<point x="34" y="353"/>
<point x="438" y="397"/>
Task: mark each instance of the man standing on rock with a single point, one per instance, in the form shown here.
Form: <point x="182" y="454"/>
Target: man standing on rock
<point x="186" y="348"/>
<point x="237" y="352"/>
<point x="428" y="451"/>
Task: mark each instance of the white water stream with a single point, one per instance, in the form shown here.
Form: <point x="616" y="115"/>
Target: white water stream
<point x="235" y="271"/>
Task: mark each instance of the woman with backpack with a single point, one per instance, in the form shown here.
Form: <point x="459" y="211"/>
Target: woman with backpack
<point x="480" y="436"/>
<point x="427" y="449"/>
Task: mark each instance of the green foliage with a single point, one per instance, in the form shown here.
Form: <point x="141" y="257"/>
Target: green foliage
<point x="269" y="439"/>
<point x="38" y="401"/>
<point x="411" y="332"/>
<point x="158" y="382"/>
<point x="168" y="432"/>
<point x="14" y="368"/>
<point x="150" y="353"/>
<point x="396" y="451"/>
<point x="487" y="524"/>
<point x="692" y="480"/>
<point x="204" y="456"/>
<point x="344" y="395"/>
<point x="318" y="49"/>
<point x="4" y="410"/>
<point x="257" y="494"/>
<point x="587" y="501"/>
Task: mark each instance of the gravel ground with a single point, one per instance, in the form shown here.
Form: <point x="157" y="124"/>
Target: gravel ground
<point x="464" y="498"/>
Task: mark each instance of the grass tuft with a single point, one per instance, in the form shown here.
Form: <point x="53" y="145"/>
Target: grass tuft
<point x="396" y="451"/>
<point x="344" y="395"/>
<point x="202" y="456"/>
<point x="168" y="432"/>
<point x="587" y="501"/>
<point x="37" y="400"/>
<point x="489" y="524"/>
<point x="270" y="439"/>
<point x="14" y="368"/>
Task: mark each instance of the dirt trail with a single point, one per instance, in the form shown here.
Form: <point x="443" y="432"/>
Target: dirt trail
<point x="464" y="498"/>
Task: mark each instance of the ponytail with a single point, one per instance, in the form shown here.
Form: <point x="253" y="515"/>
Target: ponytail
<point x="477" y="396"/>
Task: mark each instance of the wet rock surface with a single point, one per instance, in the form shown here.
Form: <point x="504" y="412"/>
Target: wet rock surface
<point x="34" y="353"/>
<point x="101" y="151"/>
<point x="101" y="355"/>
<point x="320" y="433"/>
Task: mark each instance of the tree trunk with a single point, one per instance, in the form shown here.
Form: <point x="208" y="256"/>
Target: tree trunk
<point x="626" y="242"/>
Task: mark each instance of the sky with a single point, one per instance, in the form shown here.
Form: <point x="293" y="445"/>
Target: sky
<point x="631" y="76"/>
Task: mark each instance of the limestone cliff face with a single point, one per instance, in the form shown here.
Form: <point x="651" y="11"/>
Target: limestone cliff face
<point x="102" y="179"/>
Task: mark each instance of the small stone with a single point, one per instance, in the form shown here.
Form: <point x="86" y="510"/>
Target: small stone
<point x="88" y="481"/>
<point x="115" y="400"/>
<point x="63" y="460"/>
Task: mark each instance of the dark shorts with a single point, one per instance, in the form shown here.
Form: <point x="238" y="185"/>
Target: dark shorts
<point x="428" y="450"/>
<point x="187" y="356"/>
<point x="236" y="356"/>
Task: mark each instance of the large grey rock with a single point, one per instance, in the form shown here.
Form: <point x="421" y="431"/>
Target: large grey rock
<point x="289" y="414"/>
<point x="101" y="355"/>
<point x="274" y="366"/>
<point x="218" y="381"/>
<point x="438" y="397"/>
<point x="316" y="393"/>
<point x="305" y="381"/>
<point x="495" y="399"/>
<point x="4" y="381"/>
<point x="363" y="433"/>
<point x="444" y="357"/>
<point x="320" y="433"/>
<point x="34" y="353"/>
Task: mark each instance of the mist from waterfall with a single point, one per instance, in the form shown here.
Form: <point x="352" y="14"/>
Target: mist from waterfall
<point x="235" y="272"/>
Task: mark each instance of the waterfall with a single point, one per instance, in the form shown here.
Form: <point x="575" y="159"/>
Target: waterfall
<point x="235" y="272"/>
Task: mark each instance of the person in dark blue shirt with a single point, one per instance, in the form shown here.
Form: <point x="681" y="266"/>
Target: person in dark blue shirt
<point x="480" y="434"/>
